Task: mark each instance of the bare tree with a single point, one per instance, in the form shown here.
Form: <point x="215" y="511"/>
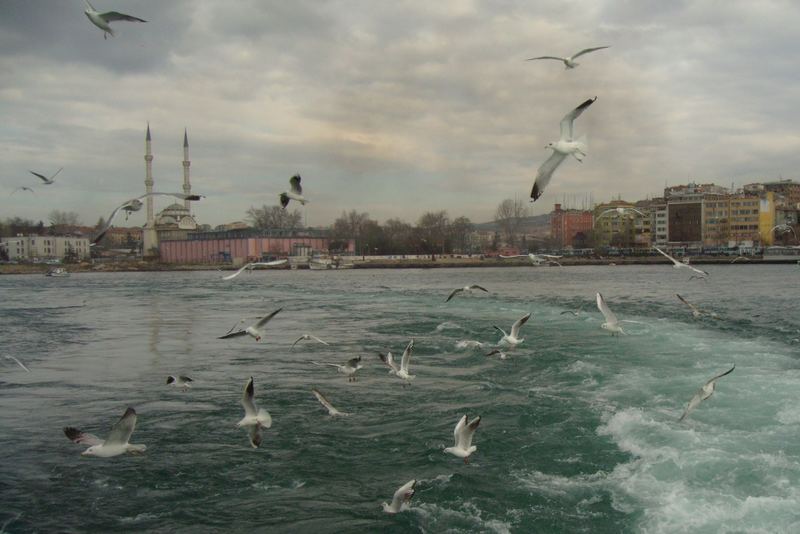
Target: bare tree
<point x="351" y="225"/>
<point x="460" y="231"/>
<point x="509" y="216"/>
<point x="63" y="221"/>
<point x="399" y="236"/>
<point x="433" y="227"/>
<point x="274" y="218"/>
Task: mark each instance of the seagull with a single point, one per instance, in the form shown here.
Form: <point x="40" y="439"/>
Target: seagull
<point x="180" y="381"/>
<point x="115" y="444"/>
<point x="23" y="188"/>
<point x="295" y="192"/>
<point x="349" y="369"/>
<point x="513" y="339"/>
<point x="401" y="498"/>
<point x="620" y="211"/>
<point x="465" y="289"/>
<point x="463" y="433"/>
<point x="703" y="393"/>
<point x="562" y="148"/>
<point x="402" y="371"/>
<point x="696" y="312"/>
<point x="254" y="418"/>
<point x="18" y="363"/>
<point x="101" y="20"/>
<point x="569" y="62"/>
<point x="611" y="324"/>
<point x="135" y="204"/>
<point x="307" y="337"/>
<point x="737" y="258"/>
<point x="573" y="312"/>
<point x="536" y="259"/>
<point x="498" y="352"/>
<point x="47" y="181"/>
<point x="254" y="330"/>
<point x="252" y="265"/>
<point x="784" y="228"/>
<point x="680" y="265"/>
<point x="333" y="412"/>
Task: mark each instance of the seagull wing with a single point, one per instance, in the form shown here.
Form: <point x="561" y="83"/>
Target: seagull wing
<point x="298" y="340"/>
<point x="467" y="430"/>
<point x="729" y="371"/>
<point x="517" y="256"/>
<point x="476" y="286"/>
<point x="40" y="176"/>
<point x="326" y="403"/>
<point x="673" y="260"/>
<point x="248" y="403"/>
<point x="605" y="310"/>
<point x="80" y="437"/>
<point x="500" y="329"/>
<point x="388" y="360"/>
<point x="266" y="319"/>
<point x="695" y="269"/>
<point x="269" y="263"/>
<point x="121" y="432"/>
<point x="254" y="435"/>
<point x="18" y="362"/>
<point x="234" y="334"/>
<point x="694" y="402"/>
<point x="459" y="427"/>
<point x="569" y="119"/>
<point x="406" y="359"/>
<point x="353" y="362"/>
<point x="454" y="293"/>
<point x="111" y="16"/>
<point x="516" y="326"/>
<point x="315" y="338"/>
<point x="294" y="183"/>
<point x="96" y="239"/>
<point x="237" y="273"/>
<point x="587" y="50"/>
<point x="691" y="306"/>
<point x="545" y="57"/>
<point x="403" y="495"/>
<point x="545" y="172"/>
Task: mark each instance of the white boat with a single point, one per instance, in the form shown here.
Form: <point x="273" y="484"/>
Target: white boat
<point x="327" y="264"/>
<point x="58" y="272"/>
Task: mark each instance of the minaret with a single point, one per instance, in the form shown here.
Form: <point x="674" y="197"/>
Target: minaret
<point x="187" y="187"/>
<point x="149" y="236"/>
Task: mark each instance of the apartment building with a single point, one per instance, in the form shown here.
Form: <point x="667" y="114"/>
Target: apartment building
<point x="35" y="247"/>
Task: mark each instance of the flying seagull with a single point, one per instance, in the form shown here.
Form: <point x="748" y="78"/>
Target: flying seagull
<point x="23" y="188"/>
<point x="252" y="265"/>
<point x="135" y="204"/>
<point x="402" y="371"/>
<point x="295" y="192"/>
<point x="18" y="362"/>
<point x="737" y="258"/>
<point x="254" y="418"/>
<point x="463" y="433"/>
<point x="573" y="312"/>
<point x="784" y="229"/>
<point x="569" y="62"/>
<point x="562" y="148"/>
<point x="465" y="289"/>
<point x="536" y="259"/>
<point x="611" y="324"/>
<point x="47" y="181"/>
<point x="620" y="211"/>
<point x="696" y="312"/>
<point x="502" y="355"/>
<point x="333" y="412"/>
<point x="183" y="382"/>
<point x="254" y="330"/>
<point x="348" y="369"/>
<point x="679" y="264"/>
<point x="703" y="393"/>
<point x="401" y="498"/>
<point x="115" y="444"/>
<point x="102" y="20"/>
<point x="513" y="339"/>
<point x="307" y="337"/>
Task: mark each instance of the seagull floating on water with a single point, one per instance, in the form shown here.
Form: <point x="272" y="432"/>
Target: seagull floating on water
<point x="565" y="146"/>
<point x="255" y="330"/>
<point x="348" y="369"/>
<point x="252" y="265"/>
<point x="333" y="412"/>
<point x="513" y="338"/>
<point x="679" y="264"/>
<point x="405" y="361"/>
<point x="307" y="337"/>
<point x="611" y="324"/>
<point x="115" y="444"/>
<point x="401" y="498"/>
<point x="463" y="433"/>
<point x="102" y="20"/>
<point x="254" y="418"/>
<point x="704" y="393"/>
<point x="465" y="289"/>
<point x="179" y="381"/>
<point x="47" y="181"/>
<point x="295" y="192"/>
<point x="569" y="61"/>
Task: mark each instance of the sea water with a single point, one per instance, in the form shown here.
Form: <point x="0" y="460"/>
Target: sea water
<point x="579" y="429"/>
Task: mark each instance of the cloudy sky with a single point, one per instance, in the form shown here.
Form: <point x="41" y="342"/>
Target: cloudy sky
<point x="394" y="108"/>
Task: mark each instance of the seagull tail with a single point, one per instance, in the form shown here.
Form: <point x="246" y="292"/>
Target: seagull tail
<point x="583" y="143"/>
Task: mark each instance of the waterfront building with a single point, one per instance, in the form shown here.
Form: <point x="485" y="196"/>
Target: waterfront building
<point x="46" y="247"/>
<point x="570" y="227"/>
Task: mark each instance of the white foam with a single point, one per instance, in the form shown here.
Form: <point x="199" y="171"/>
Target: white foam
<point x="469" y="344"/>
<point x="447" y="325"/>
<point x="436" y="518"/>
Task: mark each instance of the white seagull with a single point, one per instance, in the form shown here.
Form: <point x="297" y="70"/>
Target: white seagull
<point x="696" y="312"/>
<point x="513" y="338"/>
<point x="135" y="204"/>
<point x="348" y="369"/>
<point x="566" y="145"/>
<point x="183" y="382"/>
<point x="333" y="412"/>
<point x="502" y="355"/>
<point x="620" y="211"/>
<point x="679" y="264"/>
<point x="784" y="228"/>
<point x="569" y="62"/>
<point x="254" y="418"/>
<point x="465" y="289"/>
<point x="405" y="361"/>
<point x="115" y="444"/>
<point x="47" y="181"/>
<point x="252" y="265"/>
<point x="18" y="363"/>
<point x="703" y="393"/>
<point x="536" y="259"/>
<point x="255" y="330"/>
<point x="307" y="337"/>
<point x="463" y="433"/>
<point x="101" y="20"/>
<point x="401" y="498"/>
<point x="23" y="188"/>
<point x="295" y="192"/>
<point x="611" y="324"/>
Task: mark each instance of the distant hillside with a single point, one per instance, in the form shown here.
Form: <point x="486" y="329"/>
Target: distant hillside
<point x="527" y="223"/>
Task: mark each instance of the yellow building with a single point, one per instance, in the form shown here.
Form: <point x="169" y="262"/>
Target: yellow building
<point x="612" y="228"/>
<point x="766" y="218"/>
<point x="731" y="219"/>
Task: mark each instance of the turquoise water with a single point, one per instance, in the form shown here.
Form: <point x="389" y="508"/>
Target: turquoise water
<point x="578" y="431"/>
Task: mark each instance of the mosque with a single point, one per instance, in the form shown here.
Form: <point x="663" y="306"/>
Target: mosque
<point x="175" y="221"/>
